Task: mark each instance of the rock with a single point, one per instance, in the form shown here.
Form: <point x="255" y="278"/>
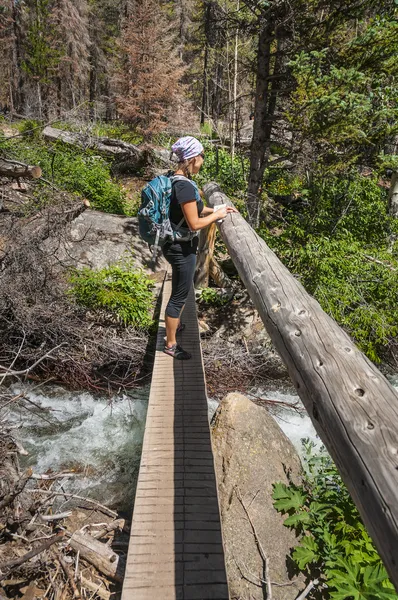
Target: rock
<point x="251" y="453"/>
<point x="96" y="240"/>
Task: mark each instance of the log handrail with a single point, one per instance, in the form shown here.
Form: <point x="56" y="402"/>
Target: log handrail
<point x="351" y="404"/>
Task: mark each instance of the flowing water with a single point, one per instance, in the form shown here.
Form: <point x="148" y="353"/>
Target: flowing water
<point x="101" y="440"/>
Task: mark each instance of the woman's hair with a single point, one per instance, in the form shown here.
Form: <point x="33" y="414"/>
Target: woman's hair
<point x="184" y="166"/>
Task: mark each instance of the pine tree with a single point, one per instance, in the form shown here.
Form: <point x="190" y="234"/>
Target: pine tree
<point x="41" y="54"/>
<point x="150" y="69"/>
<point x="69" y="20"/>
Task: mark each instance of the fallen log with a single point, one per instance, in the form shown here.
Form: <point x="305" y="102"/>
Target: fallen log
<point x="104" y="145"/>
<point x="129" y="156"/>
<point x="98" y="554"/>
<point x="351" y="404"/>
<point x="15" y="169"/>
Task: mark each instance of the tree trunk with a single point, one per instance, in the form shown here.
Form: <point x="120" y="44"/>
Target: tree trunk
<point x="235" y="90"/>
<point x="393" y="196"/>
<point x="18" y="100"/>
<point x="352" y="406"/>
<point x="264" y="113"/>
<point x="257" y="150"/>
<point x="204" y="110"/>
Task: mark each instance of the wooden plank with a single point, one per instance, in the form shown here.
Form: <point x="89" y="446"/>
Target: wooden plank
<point x="176" y="548"/>
<point x="352" y="405"/>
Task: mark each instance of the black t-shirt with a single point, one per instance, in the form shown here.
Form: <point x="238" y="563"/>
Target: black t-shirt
<point x="183" y="191"/>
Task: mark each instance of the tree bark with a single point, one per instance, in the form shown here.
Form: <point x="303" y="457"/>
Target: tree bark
<point x="257" y="149"/>
<point x="351" y="404"/>
<point x="270" y="73"/>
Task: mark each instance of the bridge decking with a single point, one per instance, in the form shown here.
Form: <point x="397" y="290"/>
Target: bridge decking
<point x="175" y="549"/>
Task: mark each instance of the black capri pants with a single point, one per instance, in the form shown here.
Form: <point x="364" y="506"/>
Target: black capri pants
<point x="182" y="258"/>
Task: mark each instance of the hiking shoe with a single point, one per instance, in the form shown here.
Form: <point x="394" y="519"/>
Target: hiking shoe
<point x="177" y="352"/>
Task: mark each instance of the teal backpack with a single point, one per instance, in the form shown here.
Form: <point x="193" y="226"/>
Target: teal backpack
<point x="154" y="222"/>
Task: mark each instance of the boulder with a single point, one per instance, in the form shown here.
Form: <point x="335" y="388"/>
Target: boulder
<point x="97" y="240"/>
<point x="251" y="453"/>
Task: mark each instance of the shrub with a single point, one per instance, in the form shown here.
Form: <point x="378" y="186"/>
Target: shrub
<point x="338" y="246"/>
<point x="30" y="128"/>
<point x="335" y="546"/>
<point x="213" y="297"/>
<point x="74" y="170"/>
<point x="219" y="166"/>
<point x="119" y="290"/>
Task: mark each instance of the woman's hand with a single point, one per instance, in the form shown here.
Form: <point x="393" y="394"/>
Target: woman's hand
<point x="221" y="213"/>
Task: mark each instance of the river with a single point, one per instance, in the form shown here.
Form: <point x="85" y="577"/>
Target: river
<point x="100" y="439"/>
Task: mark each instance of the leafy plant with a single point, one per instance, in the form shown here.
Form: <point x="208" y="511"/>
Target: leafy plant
<point x="337" y="243"/>
<point x="213" y="297"/>
<point x="335" y="546"/>
<point x="229" y="173"/>
<point x="75" y="170"/>
<point x="119" y="290"/>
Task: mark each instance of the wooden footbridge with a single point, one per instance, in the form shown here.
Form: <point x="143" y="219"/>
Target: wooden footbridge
<point x="176" y="549"/>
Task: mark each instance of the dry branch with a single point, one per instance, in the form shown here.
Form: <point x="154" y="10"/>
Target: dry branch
<point x="19" y="486"/>
<point x="98" y="506"/>
<point x="69" y="574"/>
<point x="16" y="562"/>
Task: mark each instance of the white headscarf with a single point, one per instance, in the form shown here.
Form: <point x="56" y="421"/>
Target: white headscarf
<point x="187" y="147"/>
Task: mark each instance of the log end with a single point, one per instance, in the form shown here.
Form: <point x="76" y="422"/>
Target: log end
<point x="36" y="172"/>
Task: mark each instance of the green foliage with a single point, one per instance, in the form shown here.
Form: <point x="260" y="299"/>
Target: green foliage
<point x="338" y="245"/>
<point x="30" y="128"/>
<point x="335" y="546"/>
<point x="213" y="297"/>
<point x="345" y="101"/>
<point x="41" y="56"/>
<point x="119" y="290"/>
<point x="229" y="173"/>
<point x="72" y="169"/>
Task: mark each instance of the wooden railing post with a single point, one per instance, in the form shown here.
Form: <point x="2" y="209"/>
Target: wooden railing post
<point x="207" y="239"/>
<point x="353" y="407"/>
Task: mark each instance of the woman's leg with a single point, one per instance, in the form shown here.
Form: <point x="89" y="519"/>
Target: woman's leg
<point x="183" y="270"/>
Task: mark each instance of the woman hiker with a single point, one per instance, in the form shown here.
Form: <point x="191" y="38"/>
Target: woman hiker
<point x="186" y="211"/>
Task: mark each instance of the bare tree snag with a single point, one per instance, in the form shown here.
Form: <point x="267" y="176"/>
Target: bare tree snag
<point x="207" y="239"/>
<point x="352" y="405"/>
<point x="10" y="168"/>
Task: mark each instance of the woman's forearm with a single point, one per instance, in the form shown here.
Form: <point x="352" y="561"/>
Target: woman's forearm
<point x="207" y="211"/>
<point x="202" y="222"/>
